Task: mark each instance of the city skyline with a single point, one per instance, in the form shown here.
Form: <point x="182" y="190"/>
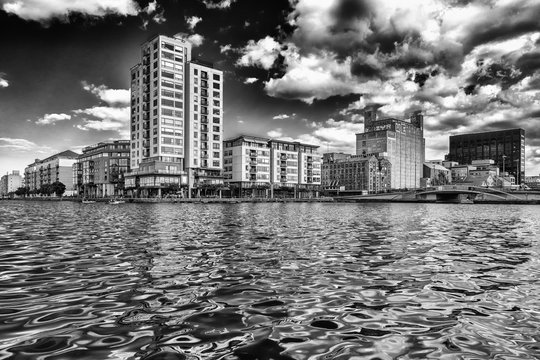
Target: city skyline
<point x="298" y="70"/>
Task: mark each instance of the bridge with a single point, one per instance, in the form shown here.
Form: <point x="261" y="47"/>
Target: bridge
<point x="450" y="193"/>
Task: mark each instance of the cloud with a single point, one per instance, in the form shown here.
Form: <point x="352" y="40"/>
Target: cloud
<point x="277" y="133"/>
<point x="114" y="97"/>
<point x="196" y="40"/>
<point x="22" y="145"/>
<point x="218" y="4"/>
<point x="152" y="12"/>
<point x="250" y="80"/>
<point x="192" y="21"/>
<point x="52" y="119"/>
<point x="282" y="116"/>
<point x="44" y="10"/>
<point x="102" y="118"/>
<point x="3" y="82"/>
<point x="225" y="48"/>
<point x="262" y="53"/>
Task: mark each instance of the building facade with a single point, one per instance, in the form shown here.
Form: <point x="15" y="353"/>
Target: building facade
<point x="58" y="167"/>
<point x="9" y="183"/>
<point x="346" y="172"/>
<point x="176" y="118"/>
<point x="505" y="147"/>
<point x="263" y="164"/>
<point x="400" y="142"/>
<point x="99" y="170"/>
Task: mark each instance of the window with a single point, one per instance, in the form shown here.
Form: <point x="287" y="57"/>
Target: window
<point x="167" y="74"/>
<point x="215" y="146"/>
<point x="215" y="128"/>
<point x="216" y="77"/>
<point x="196" y="71"/>
<point x="216" y="94"/>
<point x="215" y="163"/>
<point x="215" y="154"/>
<point x="216" y="137"/>
<point x="216" y="85"/>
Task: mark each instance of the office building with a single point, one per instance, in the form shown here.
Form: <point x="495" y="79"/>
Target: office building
<point x="99" y="170"/>
<point x="346" y="172"/>
<point x="176" y="118"/>
<point x="505" y="147"/>
<point x="266" y="165"/>
<point x="401" y="142"/>
<point x="9" y="183"/>
<point x="58" y="167"/>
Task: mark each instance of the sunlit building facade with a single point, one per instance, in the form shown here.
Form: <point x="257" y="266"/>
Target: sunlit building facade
<point x="58" y="167"/>
<point x="9" y="183"/>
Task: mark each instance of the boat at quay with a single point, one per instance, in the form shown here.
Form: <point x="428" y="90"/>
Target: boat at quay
<point x="286" y="280"/>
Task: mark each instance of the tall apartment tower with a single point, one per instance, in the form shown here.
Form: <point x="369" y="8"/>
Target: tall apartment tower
<point x="400" y="141"/>
<point x="176" y="117"/>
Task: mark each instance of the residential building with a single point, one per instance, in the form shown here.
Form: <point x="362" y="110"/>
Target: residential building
<point x="346" y="172"/>
<point x="99" y="170"/>
<point x="532" y="182"/>
<point x="264" y="165"/>
<point x="399" y="141"/>
<point x="435" y="174"/>
<point x="58" y="167"/>
<point x="9" y="183"/>
<point x="505" y="147"/>
<point x="176" y="118"/>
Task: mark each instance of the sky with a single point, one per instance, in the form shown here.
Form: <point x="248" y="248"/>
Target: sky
<point x="294" y="69"/>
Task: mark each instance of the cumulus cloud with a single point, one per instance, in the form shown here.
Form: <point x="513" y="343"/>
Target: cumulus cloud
<point x="281" y="117"/>
<point x="262" y="53"/>
<point x="152" y="12"/>
<point x="52" y="119"/>
<point x="218" y="4"/>
<point x="102" y="118"/>
<point x="115" y="97"/>
<point x="192" y="21"/>
<point x="276" y="133"/>
<point x="250" y="80"/>
<point x="225" y="48"/>
<point x="196" y="40"/>
<point x="3" y="82"/>
<point x="44" y="10"/>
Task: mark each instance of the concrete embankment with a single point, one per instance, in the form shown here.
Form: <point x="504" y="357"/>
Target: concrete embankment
<point x="179" y="201"/>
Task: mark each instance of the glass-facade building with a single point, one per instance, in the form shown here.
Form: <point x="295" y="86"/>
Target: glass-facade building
<point x="505" y="147"/>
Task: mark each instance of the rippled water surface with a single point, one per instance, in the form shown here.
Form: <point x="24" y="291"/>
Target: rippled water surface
<point x="269" y="281"/>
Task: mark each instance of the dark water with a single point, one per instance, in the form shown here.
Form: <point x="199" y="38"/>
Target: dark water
<point x="269" y="281"/>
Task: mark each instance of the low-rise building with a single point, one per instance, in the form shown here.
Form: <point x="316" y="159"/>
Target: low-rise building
<point x="346" y="172"/>
<point x="255" y="166"/>
<point x="532" y="182"/>
<point x="9" y="183"/>
<point x="435" y="174"/>
<point x="55" y="168"/>
<point x="99" y="170"/>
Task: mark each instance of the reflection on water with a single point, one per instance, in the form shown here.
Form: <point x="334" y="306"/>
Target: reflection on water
<point x="269" y="281"/>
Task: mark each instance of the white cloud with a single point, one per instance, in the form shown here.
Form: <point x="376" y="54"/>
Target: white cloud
<point x="220" y="4"/>
<point x="51" y="119"/>
<point x="281" y="117"/>
<point x="116" y="97"/>
<point x="277" y="133"/>
<point x="104" y="118"/>
<point x="22" y="145"/>
<point x="250" y="80"/>
<point x="3" y="82"/>
<point x="193" y="21"/>
<point x="196" y="40"/>
<point x="225" y="48"/>
<point x="262" y="53"/>
<point x="43" y="10"/>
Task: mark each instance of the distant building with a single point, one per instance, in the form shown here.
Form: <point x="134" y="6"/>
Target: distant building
<point x="533" y="182"/>
<point x="9" y="183"/>
<point x="401" y="142"/>
<point x="505" y="147"/>
<point x="99" y="171"/>
<point x="435" y="174"/>
<point x="176" y="119"/>
<point x="262" y="164"/>
<point x="346" y="172"/>
<point x="58" y="167"/>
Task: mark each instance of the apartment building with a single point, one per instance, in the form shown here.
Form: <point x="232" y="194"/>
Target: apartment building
<point x="176" y="118"/>
<point x="99" y="170"/>
<point x="267" y="165"/>
<point x="9" y="183"/>
<point x="399" y="141"/>
<point x="58" y="167"/>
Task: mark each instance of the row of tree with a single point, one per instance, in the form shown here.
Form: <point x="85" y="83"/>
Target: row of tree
<point x="56" y="188"/>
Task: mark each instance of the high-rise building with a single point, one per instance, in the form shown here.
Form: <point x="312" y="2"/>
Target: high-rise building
<point x="505" y="147"/>
<point x="176" y="118"/>
<point x="58" y="167"/>
<point x="400" y="141"/>
<point x="256" y="163"/>
<point x="9" y="183"/>
<point x="99" y="171"/>
<point x="347" y="172"/>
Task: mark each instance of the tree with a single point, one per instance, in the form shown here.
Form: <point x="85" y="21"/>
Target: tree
<point x="22" y="191"/>
<point x="45" y="189"/>
<point x="58" y="188"/>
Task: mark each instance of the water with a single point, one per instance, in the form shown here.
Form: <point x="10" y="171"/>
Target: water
<point x="269" y="281"/>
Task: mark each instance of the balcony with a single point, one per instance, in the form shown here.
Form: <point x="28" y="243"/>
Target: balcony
<point x="253" y="163"/>
<point x="283" y="157"/>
